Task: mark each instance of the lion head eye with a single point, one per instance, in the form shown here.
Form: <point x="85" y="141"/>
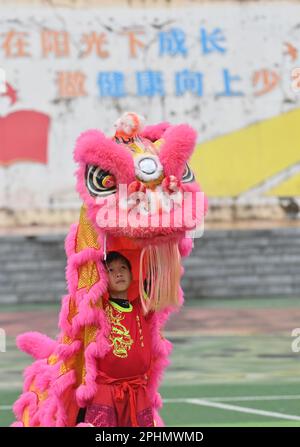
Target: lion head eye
<point x="188" y="175"/>
<point x="100" y="182"/>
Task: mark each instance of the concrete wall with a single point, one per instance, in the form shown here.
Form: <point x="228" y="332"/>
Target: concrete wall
<point x="243" y="263"/>
<point x="224" y="67"/>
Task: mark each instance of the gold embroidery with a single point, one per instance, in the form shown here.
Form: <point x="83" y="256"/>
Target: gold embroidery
<point x="88" y="275"/>
<point x="86" y="237"/>
<point x="83" y="374"/>
<point x="40" y="394"/>
<point x="67" y="365"/>
<point x="137" y="149"/>
<point x="52" y="360"/>
<point x="97" y="305"/>
<point x="67" y="340"/>
<point x="140" y="331"/>
<point x="120" y="308"/>
<point x="72" y="310"/>
<point x="86" y="234"/>
<point x="90" y="333"/>
<point x="63" y="369"/>
<point x="25" y="417"/>
<point x="120" y="337"/>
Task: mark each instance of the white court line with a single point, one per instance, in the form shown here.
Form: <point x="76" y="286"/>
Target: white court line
<point x="237" y="408"/>
<point x="210" y="402"/>
<point x="223" y="399"/>
<point x="245" y="398"/>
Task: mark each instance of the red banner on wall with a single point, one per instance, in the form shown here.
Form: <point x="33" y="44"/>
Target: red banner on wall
<point x="24" y="137"/>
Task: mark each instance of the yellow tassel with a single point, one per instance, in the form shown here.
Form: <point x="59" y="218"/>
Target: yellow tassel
<point x="162" y="267"/>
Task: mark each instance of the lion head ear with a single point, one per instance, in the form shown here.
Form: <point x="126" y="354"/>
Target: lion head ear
<point x="179" y="143"/>
<point x="93" y="148"/>
<point x="155" y="132"/>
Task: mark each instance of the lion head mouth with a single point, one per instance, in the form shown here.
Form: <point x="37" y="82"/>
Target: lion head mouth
<point x="150" y="213"/>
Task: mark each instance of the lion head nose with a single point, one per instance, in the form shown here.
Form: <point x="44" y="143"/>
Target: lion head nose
<point x="147" y="167"/>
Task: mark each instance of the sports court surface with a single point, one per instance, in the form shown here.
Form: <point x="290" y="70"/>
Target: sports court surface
<point x="232" y="361"/>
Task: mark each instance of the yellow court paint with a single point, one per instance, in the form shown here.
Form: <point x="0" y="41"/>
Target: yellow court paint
<point x="234" y="163"/>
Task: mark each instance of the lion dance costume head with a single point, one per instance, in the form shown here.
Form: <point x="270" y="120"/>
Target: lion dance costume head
<point x="140" y="198"/>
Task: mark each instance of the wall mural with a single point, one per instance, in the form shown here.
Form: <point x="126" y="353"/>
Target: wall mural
<point x="231" y="72"/>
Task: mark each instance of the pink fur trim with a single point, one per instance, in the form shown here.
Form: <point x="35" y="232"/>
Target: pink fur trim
<point x="29" y="400"/>
<point x="45" y="376"/>
<point x="48" y="413"/>
<point x="158" y="420"/>
<point x="17" y="424"/>
<point x="86" y="315"/>
<point x="178" y="147"/>
<point x="65" y="351"/>
<point x="63" y="382"/>
<point x="36" y="344"/>
<point x="70" y="242"/>
<point x="77" y="260"/>
<point x="94" y="148"/>
<point x="161" y="351"/>
<point x="84" y="424"/>
<point x="64" y="323"/>
<point x="36" y="368"/>
<point x="185" y="246"/>
<point x="155" y="132"/>
<point x="95" y="350"/>
<point x="52" y="412"/>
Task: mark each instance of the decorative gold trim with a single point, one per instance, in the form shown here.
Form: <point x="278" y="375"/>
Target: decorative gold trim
<point x="120" y="308"/>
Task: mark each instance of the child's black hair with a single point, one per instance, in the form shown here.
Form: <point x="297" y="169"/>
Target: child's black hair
<point x="113" y="256"/>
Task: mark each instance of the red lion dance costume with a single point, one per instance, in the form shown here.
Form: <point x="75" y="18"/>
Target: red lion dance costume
<point x="143" y="163"/>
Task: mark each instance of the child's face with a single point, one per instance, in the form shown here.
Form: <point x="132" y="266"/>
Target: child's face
<point x="119" y="276"/>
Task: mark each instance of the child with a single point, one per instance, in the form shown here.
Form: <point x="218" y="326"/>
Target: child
<point x="122" y="398"/>
<point x="102" y="361"/>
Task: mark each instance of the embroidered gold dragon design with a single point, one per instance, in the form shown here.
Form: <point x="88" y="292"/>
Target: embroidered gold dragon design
<point x="119" y="336"/>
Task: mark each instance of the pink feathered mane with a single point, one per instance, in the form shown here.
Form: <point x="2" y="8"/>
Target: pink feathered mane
<point x="63" y="377"/>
